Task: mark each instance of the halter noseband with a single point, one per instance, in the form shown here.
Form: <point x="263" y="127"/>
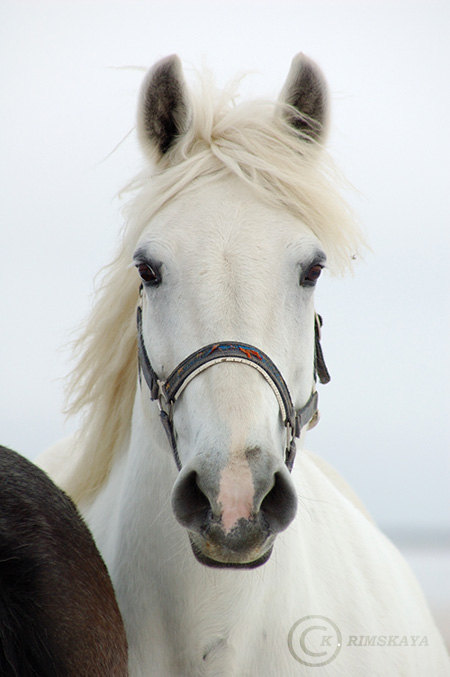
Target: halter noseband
<point x="167" y="392"/>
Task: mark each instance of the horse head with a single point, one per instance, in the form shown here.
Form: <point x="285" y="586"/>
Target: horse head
<point x="223" y="266"/>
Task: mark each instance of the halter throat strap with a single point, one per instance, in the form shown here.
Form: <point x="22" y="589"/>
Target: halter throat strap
<point x="168" y="391"/>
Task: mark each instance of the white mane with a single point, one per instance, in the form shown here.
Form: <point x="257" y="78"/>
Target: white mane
<point x="250" y="140"/>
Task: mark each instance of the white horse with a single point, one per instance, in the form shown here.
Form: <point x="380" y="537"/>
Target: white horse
<point x="225" y="562"/>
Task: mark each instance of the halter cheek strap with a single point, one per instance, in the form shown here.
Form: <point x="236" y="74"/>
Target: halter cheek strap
<point x="167" y="392"/>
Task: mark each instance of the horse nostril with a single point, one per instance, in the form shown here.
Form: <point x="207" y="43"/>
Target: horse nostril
<point x="190" y="505"/>
<point x="279" y="506"/>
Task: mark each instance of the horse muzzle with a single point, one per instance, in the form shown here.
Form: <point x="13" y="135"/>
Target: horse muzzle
<point x="234" y="524"/>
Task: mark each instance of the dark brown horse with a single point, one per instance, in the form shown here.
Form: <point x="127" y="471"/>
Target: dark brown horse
<point x="58" y="612"/>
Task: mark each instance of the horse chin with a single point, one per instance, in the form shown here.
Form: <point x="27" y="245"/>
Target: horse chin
<point x="221" y="558"/>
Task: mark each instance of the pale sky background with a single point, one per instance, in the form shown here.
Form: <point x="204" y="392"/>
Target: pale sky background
<point x="65" y="105"/>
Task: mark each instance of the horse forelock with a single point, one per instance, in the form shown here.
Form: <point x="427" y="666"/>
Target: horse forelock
<point x="252" y="141"/>
<point x="255" y="142"/>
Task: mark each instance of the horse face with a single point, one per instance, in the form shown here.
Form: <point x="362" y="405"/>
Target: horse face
<point x="217" y="265"/>
<point x="220" y="264"/>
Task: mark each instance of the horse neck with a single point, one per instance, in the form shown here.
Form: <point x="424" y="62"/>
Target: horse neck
<point x="140" y="480"/>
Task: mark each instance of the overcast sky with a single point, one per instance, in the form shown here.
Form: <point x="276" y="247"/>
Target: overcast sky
<point x="65" y="104"/>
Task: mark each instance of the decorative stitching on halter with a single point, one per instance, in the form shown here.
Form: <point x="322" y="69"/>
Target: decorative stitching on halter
<point x="247" y="351"/>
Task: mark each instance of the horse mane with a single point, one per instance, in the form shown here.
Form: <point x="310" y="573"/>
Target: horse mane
<point x="251" y="140"/>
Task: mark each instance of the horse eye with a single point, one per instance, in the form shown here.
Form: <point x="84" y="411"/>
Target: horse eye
<point x="149" y="274"/>
<point x="312" y="275"/>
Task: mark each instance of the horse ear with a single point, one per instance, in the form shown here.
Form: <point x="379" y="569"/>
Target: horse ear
<point x="163" y="111"/>
<point x="306" y="90"/>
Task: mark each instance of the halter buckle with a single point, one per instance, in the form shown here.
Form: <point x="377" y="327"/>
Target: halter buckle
<point x="164" y="404"/>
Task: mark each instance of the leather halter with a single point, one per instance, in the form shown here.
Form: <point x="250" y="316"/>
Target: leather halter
<point x="167" y="392"/>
